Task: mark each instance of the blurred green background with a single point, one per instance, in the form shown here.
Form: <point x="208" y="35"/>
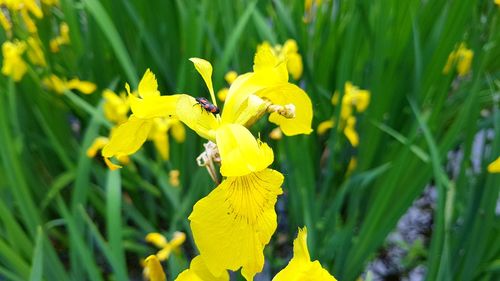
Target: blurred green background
<point x="65" y="216"/>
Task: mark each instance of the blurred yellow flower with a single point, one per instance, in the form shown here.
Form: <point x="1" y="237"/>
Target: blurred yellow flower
<point x="51" y="2"/>
<point x="276" y="134"/>
<point x="494" y="167"/>
<point x="461" y="58"/>
<point x="198" y="271"/>
<point x="497" y="2"/>
<point x="173" y="178"/>
<point x="59" y="85"/>
<point x="232" y="224"/>
<point x="13" y="63"/>
<point x="300" y="266"/>
<point x="62" y="39"/>
<point x="159" y="134"/>
<point x="289" y="53"/>
<point x="166" y="247"/>
<point x="153" y="270"/>
<point x="115" y="106"/>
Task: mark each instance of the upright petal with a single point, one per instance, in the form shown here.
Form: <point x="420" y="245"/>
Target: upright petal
<point x="148" y="87"/>
<point x="205" y="69"/>
<point x="128" y="137"/>
<point x="196" y="117"/>
<point x="301" y="268"/>
<point x="198" y="271"/>
<point x="290" y="94"/>
<point x="232" y="225"/>
<point x="240" y="152"/>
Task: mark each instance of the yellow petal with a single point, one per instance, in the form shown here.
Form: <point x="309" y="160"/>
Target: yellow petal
<point x="198" y="271"/>
<point x="494" y="167"/>
<point x="178" y="239"/>
<point x="350" y="131"/>
<point x="222" y="94"/>
<point x="98" y="144"/>
<point x="205" y="69"/>
<point x="300" y="267"/>
<point x="164" y="253"/>
<point x="290" y="94"/>
<point x="159" y="136"/>
<point x="197" y="118"/>
<point x="148" y="87"/>
<point x="268" y="68"/>
<point x="230" y="76"/>
<point x="235" y="221"/>
<point x="325" y="126"/>
<point x="55" y="83"/>
<point x="464" y="61"/>
<point x="115" y="107"/>
<point x="128" y="137"/>
<point x="240" y="152"/>
<point x="83" y="86"/>
<point x="294" y="65"/>
<point x="178" y="131"/>
<point x="154" y="106"/>
<point x="112" y="166"/>
<point x="248" y="112"/>
<point x="153" y="270"/>
<point x="156" y="239"/>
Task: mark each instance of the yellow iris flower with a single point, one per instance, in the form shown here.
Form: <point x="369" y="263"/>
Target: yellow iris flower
<point x="300" y="267"/>
<point x="494" y="167"/>
<point x="62" y="39"/>
<point x="461" y="58"/>
<point x="159" y="134"/>
<point x="13" y="63"/>
<point x="166" y="247"/>
<point x="35" y="52"/>
<point x="250" y="96"/>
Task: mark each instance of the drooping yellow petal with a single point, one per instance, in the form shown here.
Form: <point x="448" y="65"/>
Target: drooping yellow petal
<point x="55" y="83"/>
<point x="198" y="271"/>
<point x="240" y="152"/>
<point x="464" y="61"/>
<point x="195" y="117"/>
<point x="324" y="126"/>
<point x="148" y="87"/>
<point x="153" y="270"/>
<point x="350" y="131"/>
<point x="289" y="94"/>
<point x="235" y="221"/>
<point x="205" y="69"/>
<point x="98" y="144"/>
<point x="112" y="166"/>
<point x="494" y="167"/>
<point x="300" y="267"/>
<point x="128" y="137"/>
<point x="154" y="106"/>
<point x="83" y="86"/>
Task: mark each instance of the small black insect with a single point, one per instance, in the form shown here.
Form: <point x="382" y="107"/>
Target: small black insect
<point x="208" y="106"/>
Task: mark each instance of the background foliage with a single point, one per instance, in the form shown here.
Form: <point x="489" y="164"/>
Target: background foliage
<point x="65" y="216"/>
